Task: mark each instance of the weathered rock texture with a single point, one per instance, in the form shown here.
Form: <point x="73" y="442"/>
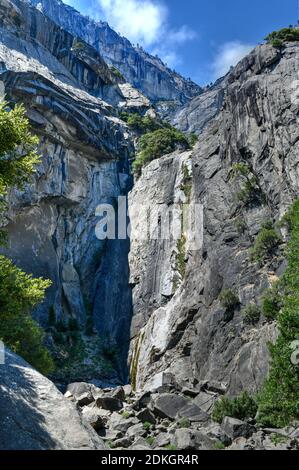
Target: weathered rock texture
<point x="145" y="72"/>
<point x="85" y="150"/>
<point x="34" y="415"/>
<point x="181" y="327"/>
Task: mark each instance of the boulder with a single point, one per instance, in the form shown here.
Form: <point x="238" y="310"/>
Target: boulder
<point x="162" y="440"/>
<point x="190" y="392"/>
<point x="119" y="423"/>
<point x="146" y="416"/>
<point x="235" y="428"/>
<point x="142" y="401"/>
<point x="118" y="392"/>
<point x="205" y="401"/>
<point x="193" y="413"/>
<point x="93" y="417"/>
<point x="34" y="415"/>
<point x="136" y="431"/>
<point x="109" y="403"/>
<point x="124" y="442"/>
<point x="78" y="389"/>
<point x="85" y="399"/>
<point x="168" y="405"/>
<point x="128" y="390"/>
<point x="188" y="439"/>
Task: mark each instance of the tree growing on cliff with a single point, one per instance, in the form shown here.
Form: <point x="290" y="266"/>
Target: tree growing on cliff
<point x="279" y="398"/>
<point x="19" y="292"/>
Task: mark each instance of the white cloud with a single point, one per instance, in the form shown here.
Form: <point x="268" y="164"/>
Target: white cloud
<point x="229" y="54"/>
<point x="146" y="22"/>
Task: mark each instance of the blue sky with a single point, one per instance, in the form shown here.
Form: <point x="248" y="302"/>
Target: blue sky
<point x="198" y="38"/>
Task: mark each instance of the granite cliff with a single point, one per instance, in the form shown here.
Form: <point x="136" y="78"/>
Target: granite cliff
<point x="152" y="306"/>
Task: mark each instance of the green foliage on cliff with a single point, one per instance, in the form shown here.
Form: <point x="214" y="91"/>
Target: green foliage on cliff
<point x="266" y="243"/>
<point x="242" y="407"/>
<point x="249" y="192"/>
<point x="252" y="314"/>
<point x="19" y="292"/>
<point x="142" y="124"/>
<point x="229" y="299"/>
<point x="156" y="138"/>
<point x="153" y="145"/>
<point x="18" y="156"/>
<point x="116" y="73"/>
<point x="279" y="398"/>
<point x="278" y="38"/>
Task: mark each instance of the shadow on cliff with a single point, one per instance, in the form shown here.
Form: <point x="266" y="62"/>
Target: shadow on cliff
<point x="113" y="304"/>
<point x="22" y="426"/>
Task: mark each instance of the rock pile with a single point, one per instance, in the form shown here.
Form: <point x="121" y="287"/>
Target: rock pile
<point x="171" y="418"/>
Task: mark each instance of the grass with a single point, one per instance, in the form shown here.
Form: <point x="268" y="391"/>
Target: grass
<point x="183" y="423"/>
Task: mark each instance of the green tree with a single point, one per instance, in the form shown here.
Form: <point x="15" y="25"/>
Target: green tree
<point x="278" y="38"/>
<point x="153" y="145"/>
<point x="19" y="292"/>
<point x="279" y="398"/>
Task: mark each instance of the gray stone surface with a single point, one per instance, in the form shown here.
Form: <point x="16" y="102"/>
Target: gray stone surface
<point x="85" y="150"/>
<point x="168" y="405"/>
<point x="147" y="73"/>
<point x="35" y="415"/>
<point x="179" y="325"/>
<point x="235" y="428"/>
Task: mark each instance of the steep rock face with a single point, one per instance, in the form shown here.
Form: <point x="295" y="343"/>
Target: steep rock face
<point x="187" y="332"/>
<point x="34" y="415"/>
<point x="196" y="114"/>
<point x="145" y="72"/>
<point x="85" y="150"/>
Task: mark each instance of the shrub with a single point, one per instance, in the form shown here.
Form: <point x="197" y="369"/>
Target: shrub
<point x="219" y="445"/>
<point x="278" y="38"/>
<point x="170" y="447"/>
<point x="242" y="407"/>
<point x="141" y="124"/>
<point x="229" y="299"/>
<point x="78" y="45"/>
<point x="250" y="192"/>
<point x="240" y="225"/>
<point x="252" y="314"/>
<point x="266" y="243"/>
<point x="153" y="145"/>
<point x="271" y="303"/>
<point x="116" y="72"/>
<point x="192" y="139"/>
<point x="147" y="426"/>
<point x="279" y="398"/>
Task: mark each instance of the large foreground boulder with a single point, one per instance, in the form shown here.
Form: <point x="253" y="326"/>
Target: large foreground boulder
<point x="35" y="415"/>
